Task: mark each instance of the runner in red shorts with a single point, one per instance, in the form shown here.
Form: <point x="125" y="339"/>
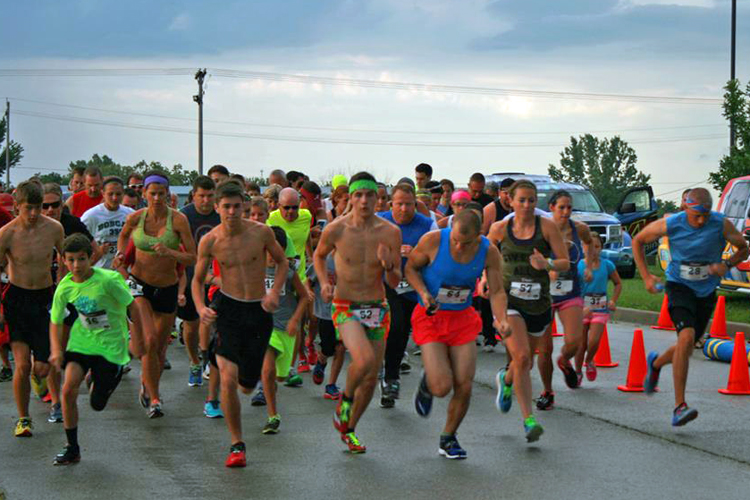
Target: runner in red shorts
<point x="443" y="269"/>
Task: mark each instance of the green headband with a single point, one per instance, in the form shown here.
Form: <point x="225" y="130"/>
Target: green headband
<point x="362" y="184"/>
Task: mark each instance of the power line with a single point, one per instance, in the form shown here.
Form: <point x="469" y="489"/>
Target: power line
<point x="682" y="188"/>
<point x="359" y="130"/>
<point x="97" y="72"/>
<point x="325" y="140"/>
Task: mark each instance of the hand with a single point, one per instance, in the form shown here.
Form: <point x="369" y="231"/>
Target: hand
<point x="612" y="306"/>
<point x="553" y="275"/>
<point x="56" y="359"/>
<point x="208" y="315"/>
<point x="588" y="275"/>
<point x="406" y="250"/>
<point x="429" y="302"/>
<point x="270" y="302"/>
<point x="326" y="292"/>
<point x="292" y="328"/>
<point x="181" y="300"/>
<point x="718" y="269"/>
<point x="586" y="312"/>
<point x="105" y="247"/>
<point x="118" y="261"/>
<point x="384" y="255"/>
<point x="162" y="250"/>
<point x="538" y="261"/>
<point x="502" y="326"/>
<point x="650" y="281"/>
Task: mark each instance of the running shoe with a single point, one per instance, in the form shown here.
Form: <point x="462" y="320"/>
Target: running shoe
<point x="449" y="447"/>
<point x="303" y="366"/>
<point x="55" y="414"/>
<point x="579" y="376"/>
<point x="272" y="425"/>
<point x="23" y="427"/>
<point x="259" y="399"/>
<point x="571" y="378"/>
<point x="47" y="398"/>
<point x="294" y="380"/>
<point x="341" y="415"/>
<point x="6" y="374"/>
<point x="652" y="375"/>
<point x="39" y="386"/>
<point x="194" y="379"/>
<point x="683" y="414"/>
<point x="423" y="398"/>
<point x="701" y="341"/>
<point x="167" y="365"/>
<point x="212" y="409"/>
<point x="355" y="446"/>
<point x="319" y="373"/>
<point x="126" y="368"/>
<point x="207" y="371"/>
<point x="386" y="398"/>
<point x="590" y="371"/>
<point x="532" y="428"/>
<point x="69" y="455"/>
<point x="236" y="456"/>
<point x="312" y="355"/>
<point x="394" y="386"/>
<point x="546" y="401"/>
<point x="504" y="398"/>
<point x="405" y="367"/>
<point x="417" y="351"/>
<point x="332" y="392"/>
<point x="155" y="411"/>
<point x="489" y="345"/>
<point x="143" y="397"/>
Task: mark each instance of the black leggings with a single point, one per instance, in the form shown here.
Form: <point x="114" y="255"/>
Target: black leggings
<point x="398" y="336"/>
<point x="485" y="310"/>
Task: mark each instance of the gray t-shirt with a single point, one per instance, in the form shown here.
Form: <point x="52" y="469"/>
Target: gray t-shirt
<point x="287" y="299"/>
<point x="322" y="310"/>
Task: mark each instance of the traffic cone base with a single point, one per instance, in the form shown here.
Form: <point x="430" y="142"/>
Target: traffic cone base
<point x="739" y="374"/>
<point x="636" y="365"/>
<point x="719" y="321"/>
<point x="555" y="333"/>
<point x="665" y="320"/>
<point x="603" y="357"/>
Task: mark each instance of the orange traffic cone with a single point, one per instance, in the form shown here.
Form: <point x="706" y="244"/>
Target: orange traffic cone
<point x="665" y="320"/>
<point x="739" y="375"/>
<point x="554" y="327"/>
<point x="636" y="366"/>
<point x="603" y="358"/>
<point x="719" y="323"/>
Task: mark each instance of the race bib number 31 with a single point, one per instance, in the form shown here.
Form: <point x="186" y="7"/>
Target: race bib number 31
<point x="453" y="295"/>
<point x="368" y="316"/>
<point x="526" y="290"/>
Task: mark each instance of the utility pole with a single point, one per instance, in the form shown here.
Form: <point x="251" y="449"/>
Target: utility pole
<point x="7" y="144"/>
<point x="732" y="131"/>
<point x="200" y="75"/>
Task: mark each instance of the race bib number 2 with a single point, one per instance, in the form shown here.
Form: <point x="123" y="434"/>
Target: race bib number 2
<point x="368" y="316"/>
<point x="526" y="290"/>
<point x="561" y="287"/>
<point x="453" y="294"/>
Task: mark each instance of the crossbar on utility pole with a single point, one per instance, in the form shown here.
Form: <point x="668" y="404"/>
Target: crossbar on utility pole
<point x="7" y="144"/>
<point x="732" y="131"/>
<point x="200" y="75"/>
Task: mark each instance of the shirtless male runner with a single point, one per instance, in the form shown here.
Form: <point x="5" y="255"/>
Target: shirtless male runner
<point x="368" y="249"/>
<point x="241" y="308"/>
<point x="27" y="243"/>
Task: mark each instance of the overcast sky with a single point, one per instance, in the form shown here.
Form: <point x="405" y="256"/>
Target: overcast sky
<point x="635" y="47"/>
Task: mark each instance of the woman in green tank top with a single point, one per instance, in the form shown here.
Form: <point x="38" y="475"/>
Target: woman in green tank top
<point x="162" y="240"/>
<point x="526" y="241"/>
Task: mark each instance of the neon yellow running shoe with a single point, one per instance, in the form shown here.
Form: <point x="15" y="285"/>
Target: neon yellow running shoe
<point x="352" y="441"/>
<point x="23" y="427"/>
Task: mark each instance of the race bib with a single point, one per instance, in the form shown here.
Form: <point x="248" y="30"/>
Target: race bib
<point x="560" y="288"/>
<point x="95" y="321"/>
<point x="595" y="301"/>
<point x="270" y="282"/>
<point x="136" y="289"/>
<point x="526" y="290"/>
<point x="368" y="316"/>
<point x="403" y="287"/>
<point x="694" y="271"/>
<point x="453" y="294"/>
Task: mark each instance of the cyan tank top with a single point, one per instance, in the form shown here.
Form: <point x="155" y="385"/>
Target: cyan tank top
<point x="693" y="249"/>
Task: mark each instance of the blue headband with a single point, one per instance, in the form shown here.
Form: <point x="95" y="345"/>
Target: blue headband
<point x="697" y="206"/>
<point x="157" y="179"/>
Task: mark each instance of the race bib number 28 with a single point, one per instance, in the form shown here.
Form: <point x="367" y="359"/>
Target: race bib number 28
<point x="694" y="271"/>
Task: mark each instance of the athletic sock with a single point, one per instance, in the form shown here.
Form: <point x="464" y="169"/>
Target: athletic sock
<point x="72" y="435"/>
<point x="346" y="398"/>
<point x="349" y="429"/>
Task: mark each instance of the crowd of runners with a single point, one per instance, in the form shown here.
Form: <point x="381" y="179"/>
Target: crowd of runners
<point x="269" y="286"/>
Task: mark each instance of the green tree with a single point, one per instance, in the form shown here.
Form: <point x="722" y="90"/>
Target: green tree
<point x="178" y="175"/>
<point x="16" y="150"/>
<point x="607" y="166"/>
<point x="53" y="177"/>
<point x="666" y="207"/>
<point x="736" y="110"/>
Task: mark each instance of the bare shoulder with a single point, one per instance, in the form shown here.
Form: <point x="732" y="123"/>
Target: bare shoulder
<point x="179" y="217"/>
<point x="387" y="226"/>
<point x="430" y="239"/>
<point x="134" y="216"/>
<point x="498" y="230"/>
<point x="7" y="230"/>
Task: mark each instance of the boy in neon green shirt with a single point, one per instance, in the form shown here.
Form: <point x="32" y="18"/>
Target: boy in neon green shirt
<point x="98" y="338"/>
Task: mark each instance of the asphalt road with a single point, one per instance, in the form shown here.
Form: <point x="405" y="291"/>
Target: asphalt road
<point x="598" y="443"/>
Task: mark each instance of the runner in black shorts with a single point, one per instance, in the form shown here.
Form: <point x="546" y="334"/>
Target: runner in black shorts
<point x="242" y="308"/>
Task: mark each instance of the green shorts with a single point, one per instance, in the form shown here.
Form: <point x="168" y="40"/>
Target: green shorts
<point x="375" y="317"/>
<point x="283" y="344"/>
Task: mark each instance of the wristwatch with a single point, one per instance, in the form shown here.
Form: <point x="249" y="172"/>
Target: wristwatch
<point x="727" y="263"/>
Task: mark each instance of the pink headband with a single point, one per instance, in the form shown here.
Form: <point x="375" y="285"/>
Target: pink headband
<point x="460" y="195"/>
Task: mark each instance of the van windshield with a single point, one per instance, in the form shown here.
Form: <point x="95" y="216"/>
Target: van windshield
<point x="583" y="201"/>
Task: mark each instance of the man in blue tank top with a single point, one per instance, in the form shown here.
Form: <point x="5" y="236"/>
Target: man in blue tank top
<point x="402" y="299"/>
<point x="443" y="270"/>
<point x="697" y="238"/>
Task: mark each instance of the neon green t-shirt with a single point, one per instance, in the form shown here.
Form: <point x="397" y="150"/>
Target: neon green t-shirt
<point x="299" y="231"/>
<point x="101" y="301"/>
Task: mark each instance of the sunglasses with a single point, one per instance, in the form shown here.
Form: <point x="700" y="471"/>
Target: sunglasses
<point x="290" y="207"/>
<point x="135" y="186"/>
<point x="54" y="204"/>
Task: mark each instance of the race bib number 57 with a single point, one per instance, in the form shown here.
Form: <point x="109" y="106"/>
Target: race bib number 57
<point x="526" y="290"/>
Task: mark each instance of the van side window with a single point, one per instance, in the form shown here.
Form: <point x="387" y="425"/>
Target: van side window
<point x="640" y="199"/>
<point x="738" y="198"/>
